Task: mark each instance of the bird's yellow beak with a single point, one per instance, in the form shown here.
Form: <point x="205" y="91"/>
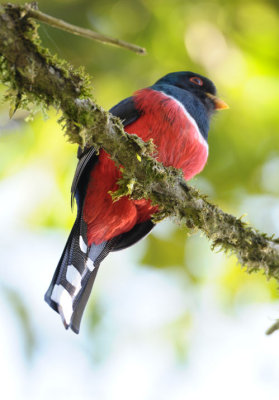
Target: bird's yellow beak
<point x="218" y="103"/>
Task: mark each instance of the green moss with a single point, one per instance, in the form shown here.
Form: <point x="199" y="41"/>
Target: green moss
<point x="19" y="75"/>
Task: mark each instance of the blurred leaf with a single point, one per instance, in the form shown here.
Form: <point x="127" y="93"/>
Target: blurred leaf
<point x="178" y="333"/>
<point x="162" y="253"/>
<point x="20" y="310"/>
<point x="238" y="287"/>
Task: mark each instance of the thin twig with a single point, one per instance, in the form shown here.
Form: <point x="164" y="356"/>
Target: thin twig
<point x="76" y="30"/>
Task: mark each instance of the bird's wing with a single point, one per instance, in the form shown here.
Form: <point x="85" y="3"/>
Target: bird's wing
<point x="126" y="111"/>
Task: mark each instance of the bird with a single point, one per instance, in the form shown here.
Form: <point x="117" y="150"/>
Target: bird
<point x="175" y="113"/>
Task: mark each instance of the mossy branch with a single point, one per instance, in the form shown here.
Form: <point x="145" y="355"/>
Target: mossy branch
<point x="33" y="75"/>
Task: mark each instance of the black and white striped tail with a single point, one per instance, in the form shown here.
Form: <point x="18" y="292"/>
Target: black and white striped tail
<point x="73" y="279"/>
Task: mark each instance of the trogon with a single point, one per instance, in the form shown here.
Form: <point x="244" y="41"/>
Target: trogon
<point x="175" y="113"/>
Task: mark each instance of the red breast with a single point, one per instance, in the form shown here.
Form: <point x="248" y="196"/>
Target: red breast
<point x="179" y="143"/>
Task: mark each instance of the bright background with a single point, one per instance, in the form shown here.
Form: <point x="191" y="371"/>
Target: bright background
<point x="168" y="319"/>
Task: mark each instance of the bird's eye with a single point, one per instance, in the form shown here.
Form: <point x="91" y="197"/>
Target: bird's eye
<point x="196" y="80"/>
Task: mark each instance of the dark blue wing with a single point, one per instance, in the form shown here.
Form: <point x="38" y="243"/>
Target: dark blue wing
<point x="126" y="111"/>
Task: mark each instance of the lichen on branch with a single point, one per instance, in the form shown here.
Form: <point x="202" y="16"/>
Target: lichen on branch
<point x="33" y="75"/>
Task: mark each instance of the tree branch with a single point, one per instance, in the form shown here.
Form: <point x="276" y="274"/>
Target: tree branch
<point x="33" y="75"/>
<point x="76" y="30"/>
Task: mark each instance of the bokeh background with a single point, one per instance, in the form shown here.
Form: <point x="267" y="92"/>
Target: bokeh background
<point x="169" y="318"/>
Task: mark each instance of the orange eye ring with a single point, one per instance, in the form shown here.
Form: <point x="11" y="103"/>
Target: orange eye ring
<point x="196" y="80"/>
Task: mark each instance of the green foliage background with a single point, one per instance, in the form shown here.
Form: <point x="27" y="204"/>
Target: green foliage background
<point x="235" y="43"/>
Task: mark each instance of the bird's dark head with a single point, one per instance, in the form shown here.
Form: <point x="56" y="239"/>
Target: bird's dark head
<point x="200" y="86"/>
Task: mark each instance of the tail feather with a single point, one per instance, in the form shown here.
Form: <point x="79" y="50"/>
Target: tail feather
<point x="75" y="274"/>
<point x="81" y="301"/>
<point x="73" y="279"/>
<point x="96" y="254"/>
